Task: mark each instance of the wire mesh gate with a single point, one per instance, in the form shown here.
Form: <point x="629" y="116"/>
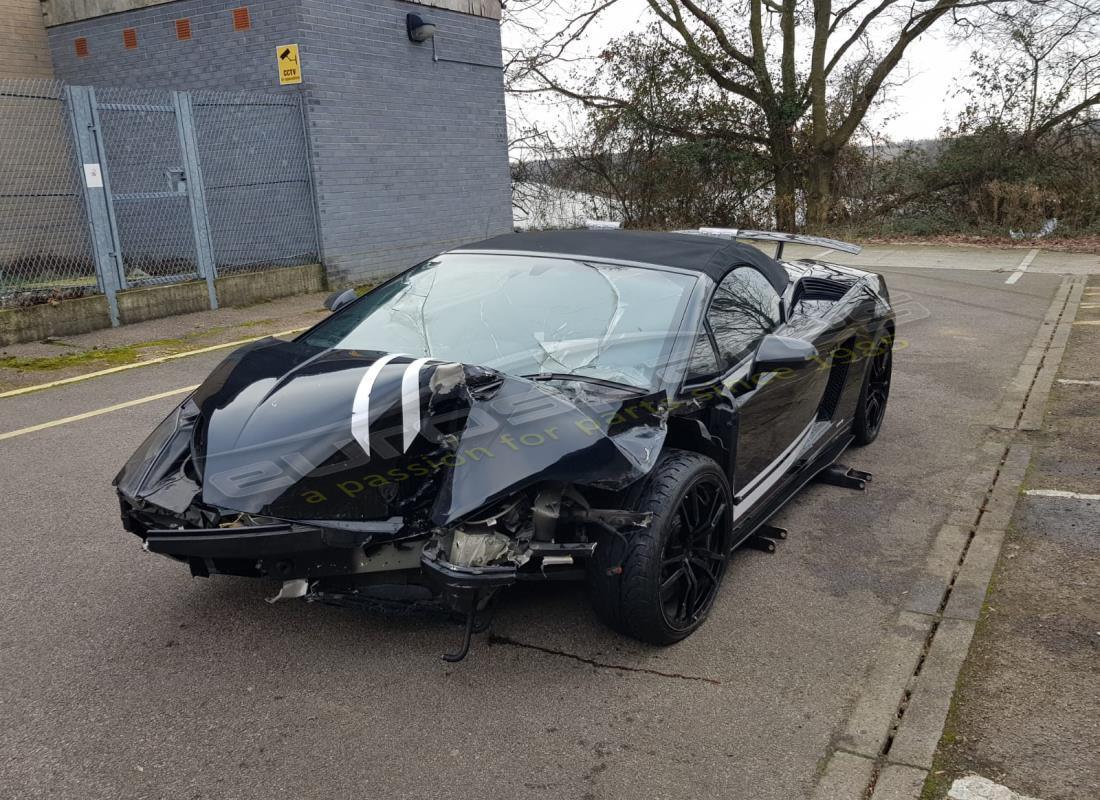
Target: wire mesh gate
<point x="156" y="186"/>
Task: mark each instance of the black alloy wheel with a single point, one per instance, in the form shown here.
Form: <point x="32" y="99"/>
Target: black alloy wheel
<point x="871" y="410"/>
<point x="694" y="556"/>
<point x="659" y="583"/>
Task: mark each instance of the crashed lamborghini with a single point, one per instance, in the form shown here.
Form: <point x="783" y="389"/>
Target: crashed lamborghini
<point x="616" y="407"/>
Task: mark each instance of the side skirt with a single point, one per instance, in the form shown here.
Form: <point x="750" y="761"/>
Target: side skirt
<point x="792" y="486"/>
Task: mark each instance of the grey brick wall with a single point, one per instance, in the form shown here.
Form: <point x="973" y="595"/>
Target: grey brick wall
<point x="409" y="154"/>
<point x="216" y="56"/>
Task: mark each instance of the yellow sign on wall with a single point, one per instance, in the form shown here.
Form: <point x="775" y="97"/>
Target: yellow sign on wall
<point x="290" y="67"/>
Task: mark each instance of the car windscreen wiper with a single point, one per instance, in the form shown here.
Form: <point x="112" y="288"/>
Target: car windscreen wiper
<point x="569" y="376"/>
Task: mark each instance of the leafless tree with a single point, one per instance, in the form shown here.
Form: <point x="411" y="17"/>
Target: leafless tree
<point x="800" y="75"/>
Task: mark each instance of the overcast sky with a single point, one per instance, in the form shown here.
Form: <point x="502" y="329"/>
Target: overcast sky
<point x="916" y="110"/>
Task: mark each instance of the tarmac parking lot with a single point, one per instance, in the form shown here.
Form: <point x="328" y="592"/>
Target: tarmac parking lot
<point x="125" y="677"/>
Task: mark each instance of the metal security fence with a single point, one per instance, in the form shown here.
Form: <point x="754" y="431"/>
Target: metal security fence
<point x="256" y="169"/>
<point x="150" y="186"/>
<point x="44" y="247"/>
<point x="111" y="188"/>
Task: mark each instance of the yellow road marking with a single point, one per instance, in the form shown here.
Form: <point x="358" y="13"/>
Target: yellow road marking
<point x="146" y="363"/>
<point x="89" y="414"/>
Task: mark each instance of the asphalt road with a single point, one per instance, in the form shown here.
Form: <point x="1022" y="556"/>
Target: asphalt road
<point x="124" y="677"/>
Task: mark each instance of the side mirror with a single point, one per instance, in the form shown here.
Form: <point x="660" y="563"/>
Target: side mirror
<point x="777" y="352"/>
<point x="337" y="300"/>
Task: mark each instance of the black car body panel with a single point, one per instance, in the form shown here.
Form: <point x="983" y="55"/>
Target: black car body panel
<point x="271" y="435"/>
<point x="310" y="461"/>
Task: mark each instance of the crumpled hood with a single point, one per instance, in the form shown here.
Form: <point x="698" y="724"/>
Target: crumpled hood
<point x="293" y="431"/>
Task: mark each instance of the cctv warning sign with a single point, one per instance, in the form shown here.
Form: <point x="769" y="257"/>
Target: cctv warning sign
<point x="290" y="66"/>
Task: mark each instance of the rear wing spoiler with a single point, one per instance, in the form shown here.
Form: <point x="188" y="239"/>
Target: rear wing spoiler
<point x="780" y="239"/>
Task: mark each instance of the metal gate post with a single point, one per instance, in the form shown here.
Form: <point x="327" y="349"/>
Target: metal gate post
<point x="196" y="192"/>
<point x="92" y="173"/>
<point x="307" y="146"/>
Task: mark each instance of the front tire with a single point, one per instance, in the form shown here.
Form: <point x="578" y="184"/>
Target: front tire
<point x="873" y="395"/>
<point x="671" y="570"/>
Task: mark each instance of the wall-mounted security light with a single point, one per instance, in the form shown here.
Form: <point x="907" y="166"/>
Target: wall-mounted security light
<point x="418" y="29"/>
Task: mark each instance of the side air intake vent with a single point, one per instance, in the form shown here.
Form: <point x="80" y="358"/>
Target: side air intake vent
<point x="838" y="374"/>
<point x="822" y="289"/>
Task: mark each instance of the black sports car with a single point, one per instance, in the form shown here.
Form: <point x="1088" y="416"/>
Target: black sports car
<point x="624" y="408"/>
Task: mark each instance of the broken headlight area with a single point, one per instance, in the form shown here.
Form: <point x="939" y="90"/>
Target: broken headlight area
<point x="162" y="474"/>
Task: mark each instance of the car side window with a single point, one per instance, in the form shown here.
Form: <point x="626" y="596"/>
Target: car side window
<point x="704" y="362"/>
<point x="745" y="308"/>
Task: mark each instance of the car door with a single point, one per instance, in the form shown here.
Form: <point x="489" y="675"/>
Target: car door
<point x="773" y="410"/>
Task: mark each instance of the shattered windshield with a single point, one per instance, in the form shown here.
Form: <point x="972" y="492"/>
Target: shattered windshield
<point x="523" y="315"/>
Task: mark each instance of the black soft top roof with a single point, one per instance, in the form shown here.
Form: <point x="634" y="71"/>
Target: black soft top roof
<point x="707" y="254"/>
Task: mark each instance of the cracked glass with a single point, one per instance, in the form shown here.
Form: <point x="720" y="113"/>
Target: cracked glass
<point x="522" y="315"/>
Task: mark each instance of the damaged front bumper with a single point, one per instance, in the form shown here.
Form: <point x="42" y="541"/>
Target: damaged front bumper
<point x="457" y="570"/>
<point x="283" y="550"/>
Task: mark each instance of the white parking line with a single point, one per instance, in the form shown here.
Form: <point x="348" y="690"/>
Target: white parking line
<point x="1020" y="270"/>
<point x="89" y="414"/>
<point x="146" y="363"/>
<point x="1075" y="382"/>
<point x="1060" y="493"/>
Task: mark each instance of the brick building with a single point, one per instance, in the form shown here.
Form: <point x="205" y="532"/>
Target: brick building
<point x="407" y="140"/>
<point x="23" y="40"/>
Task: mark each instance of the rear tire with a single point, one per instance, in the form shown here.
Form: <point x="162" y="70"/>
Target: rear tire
<point x="875" y="392"/>
<point x="671" y="570"/>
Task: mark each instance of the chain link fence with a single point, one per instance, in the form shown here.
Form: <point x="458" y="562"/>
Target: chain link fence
<point x="103" y="189"/>
<point x="256" y="170"/>
<point x="148" y="188"/>
<point x="44" y="248"/>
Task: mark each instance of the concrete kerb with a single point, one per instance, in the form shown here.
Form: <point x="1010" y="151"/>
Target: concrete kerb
<point x="875" y="712"/>
<point x="972" y="582"/>
<point x="896" y="782"/>
<point x="931" y="585"/>
<point x="1016" y="393"/>
<point x="846" y="775"/>
<point x="898" y="719"/>
<point x="1032" y="418"/>
<point x="920" y="729"/>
